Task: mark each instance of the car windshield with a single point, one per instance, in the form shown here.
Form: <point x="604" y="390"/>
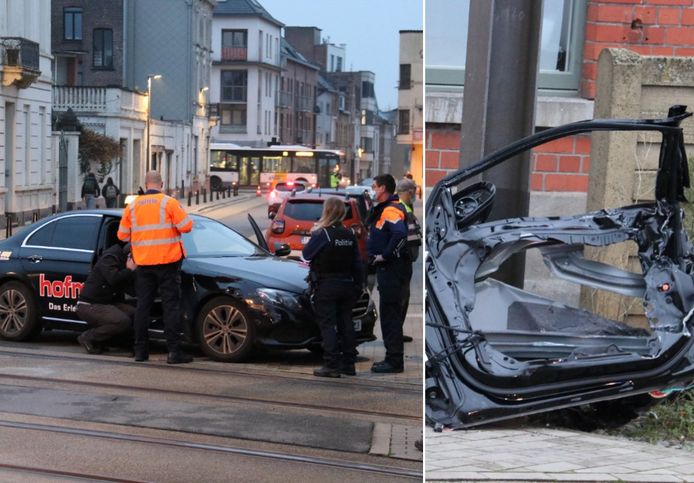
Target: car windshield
<point x="309" y="210"/>
<point x="290" y="187"/>
<point x="210" y="238"/>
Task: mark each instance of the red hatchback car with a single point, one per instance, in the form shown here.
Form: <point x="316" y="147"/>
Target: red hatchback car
<point x="298" y="213"/>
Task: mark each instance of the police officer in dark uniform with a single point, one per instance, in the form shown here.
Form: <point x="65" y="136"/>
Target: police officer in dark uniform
<point x="102" y="299"/>
<point x="337" y="280"/>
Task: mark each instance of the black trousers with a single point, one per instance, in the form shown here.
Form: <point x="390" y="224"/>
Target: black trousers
<point x="106" y="321"/>
<point x="333" y="301"/>
<point x="406" y="292"/>
<point x="393" y="283"/>
<point x="167" y="280"/>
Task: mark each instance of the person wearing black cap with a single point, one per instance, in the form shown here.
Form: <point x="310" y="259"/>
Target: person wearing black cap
<point x="102" y="299"/>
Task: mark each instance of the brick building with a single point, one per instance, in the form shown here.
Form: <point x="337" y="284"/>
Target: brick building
<point x="566" y="84"/>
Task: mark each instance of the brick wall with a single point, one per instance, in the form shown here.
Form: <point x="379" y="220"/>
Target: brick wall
<point x="561" y="165"/>
<point x="442" y="151"/>
<point x="648" y="27"/>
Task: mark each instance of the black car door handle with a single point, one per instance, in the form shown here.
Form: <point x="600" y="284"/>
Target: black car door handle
<point x="36" y="258"/>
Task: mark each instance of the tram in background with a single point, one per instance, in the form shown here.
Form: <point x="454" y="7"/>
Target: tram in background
<point x="264" y="167"/>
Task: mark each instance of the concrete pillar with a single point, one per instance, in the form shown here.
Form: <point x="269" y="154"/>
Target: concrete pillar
<point x="612" y="167"/>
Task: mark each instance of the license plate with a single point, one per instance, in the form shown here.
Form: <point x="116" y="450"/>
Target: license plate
<point x="357" y="325"/>
<point x="305" y="239"/>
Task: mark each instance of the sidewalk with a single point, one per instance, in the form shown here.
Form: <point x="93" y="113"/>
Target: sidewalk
<point x="542" y="454"/>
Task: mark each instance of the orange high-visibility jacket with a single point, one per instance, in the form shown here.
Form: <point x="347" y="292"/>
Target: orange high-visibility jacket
<point x="153" y="225"/>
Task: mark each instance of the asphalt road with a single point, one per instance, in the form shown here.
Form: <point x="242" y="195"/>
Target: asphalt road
<point x="68" y="415"/>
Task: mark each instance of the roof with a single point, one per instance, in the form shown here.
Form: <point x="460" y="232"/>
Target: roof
<point x="325" y="84"/>
<point x="291" y="53"/>
<point x="250" y="8"/>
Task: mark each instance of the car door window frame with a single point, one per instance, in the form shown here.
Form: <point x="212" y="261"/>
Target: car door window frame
<point x="82" y="250"/>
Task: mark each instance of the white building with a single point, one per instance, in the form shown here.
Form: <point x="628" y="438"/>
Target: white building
<point x="245" y="74"/>
<point x="26" y="155"/>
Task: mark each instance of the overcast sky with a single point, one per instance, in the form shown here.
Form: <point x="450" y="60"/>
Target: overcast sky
<point x="370" y="28"/>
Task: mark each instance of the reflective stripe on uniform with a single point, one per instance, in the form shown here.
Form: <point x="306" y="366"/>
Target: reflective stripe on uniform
<point x="161" y="241"/>
<point x="151" y="227"/>
<point x="162" y="210"/>
<point x="185" y="221"/>
<point x="126" y="234"/>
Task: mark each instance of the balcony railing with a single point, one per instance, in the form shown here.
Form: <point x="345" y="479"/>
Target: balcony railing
<point x="284" y="99"/>
<point x="304" y="103"/>
<point x="234" y="53"/>
<point x="19" y="52"/>
<point x="19" y="58"/>
<point x="103" y="100"/>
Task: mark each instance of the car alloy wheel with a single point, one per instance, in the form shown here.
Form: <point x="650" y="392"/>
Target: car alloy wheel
<point x="224" y="331"/>
<point x="17" y="312"/>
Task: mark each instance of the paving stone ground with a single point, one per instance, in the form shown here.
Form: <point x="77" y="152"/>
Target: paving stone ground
<point x="541" y="454"/>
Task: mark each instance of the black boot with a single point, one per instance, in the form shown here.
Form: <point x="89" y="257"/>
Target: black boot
<point x="386" y="367"/>
<point x="90" y="346"/>
<point x="141" y="355"/>
<point x="348" y="369"/>
<point x="326" y="371"/>
<point x="179" y="357"/>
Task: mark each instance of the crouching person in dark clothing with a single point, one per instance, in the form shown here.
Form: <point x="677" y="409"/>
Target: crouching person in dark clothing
<point x="102" y="300"/>
<point x="337" y="280"/>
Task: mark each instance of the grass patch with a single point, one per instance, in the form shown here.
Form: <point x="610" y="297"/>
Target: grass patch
<point x="670" y="423"/>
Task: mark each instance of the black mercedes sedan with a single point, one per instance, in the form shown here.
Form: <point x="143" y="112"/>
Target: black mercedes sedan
<point x="496" y="350"/>
<point x="236" y="295"/>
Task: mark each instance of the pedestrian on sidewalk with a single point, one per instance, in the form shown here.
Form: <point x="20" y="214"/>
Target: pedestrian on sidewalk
<point x="110" y="192"/>
<point x="153" y="223"/>
<point x="336" y="281"/>
<point x="406" y="192"/>
<point x="90" y="190"/>
<point x="101" y="303"/>
<point x="387" y="252"/>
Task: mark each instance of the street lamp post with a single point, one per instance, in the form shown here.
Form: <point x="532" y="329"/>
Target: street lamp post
<point x="149" y="115"/>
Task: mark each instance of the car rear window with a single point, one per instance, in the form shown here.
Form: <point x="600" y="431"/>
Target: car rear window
<point x="286" y="187"/>
<point x="309" y="210"/>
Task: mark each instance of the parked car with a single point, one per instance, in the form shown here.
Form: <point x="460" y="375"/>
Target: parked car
<point x="298" y="214"/>
<point x="367" y="183"/>
<point x="496" y="351"/>
<point x="236" y="295"/>
<point x="280" y="191"/>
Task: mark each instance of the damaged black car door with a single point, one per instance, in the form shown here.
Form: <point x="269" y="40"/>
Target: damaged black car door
<point x="495" y="351"/>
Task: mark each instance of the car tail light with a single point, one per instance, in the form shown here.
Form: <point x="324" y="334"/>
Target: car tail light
<point x="257" y="191"/>
<point x="357" y="229"/>
<point x="277" y="226"/>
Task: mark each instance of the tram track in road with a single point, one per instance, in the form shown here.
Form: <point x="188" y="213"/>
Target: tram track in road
<point x="283" y="457"/>
<point x="150" y="391"/>
<point x="226" y="368"/>
<point x="80" y="381"/>
<point x="52" y="473"/>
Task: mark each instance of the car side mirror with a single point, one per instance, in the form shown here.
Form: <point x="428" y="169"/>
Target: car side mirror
<point x="272" y="215"/>
<point x="282" y="249"/>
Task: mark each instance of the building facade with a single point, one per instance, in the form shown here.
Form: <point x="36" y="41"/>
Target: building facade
<point x="245" y="77"/>
<point x="297" y="102"/>
<point x="329" y="57"/>
<point x="115" y="88"/>
<point x="26" y="154"/>
<point x="410" y="120"/>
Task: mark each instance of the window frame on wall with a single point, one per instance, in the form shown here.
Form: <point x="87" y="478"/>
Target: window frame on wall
<point x="235" y="104"/>
<point x="106" y="61"/>
<point x="72" y="13"/>
<point x="556" y="82"/>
